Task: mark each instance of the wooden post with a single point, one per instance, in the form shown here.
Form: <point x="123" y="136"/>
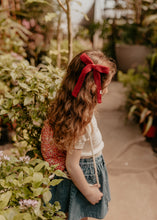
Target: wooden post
<point x="70" y="38"/>
<point x="138" y="11"/>
<point x="59" y="36"/>
<point x="70" y="49"/>
<point x="5" y="5"/>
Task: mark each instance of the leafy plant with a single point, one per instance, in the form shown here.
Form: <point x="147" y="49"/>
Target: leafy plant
<point x="24" y="189"/>
<point x="141" y="95"/>
<point x="26" y="102"/>
<point x="52" y="53"/>
<point x="13" y="36"/>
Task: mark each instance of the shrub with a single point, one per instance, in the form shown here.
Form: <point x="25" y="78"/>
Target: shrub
<point x="29" y="94"/>
<point x="141" y="96"/>
<point x="24" y="182"/>
<point x="24" y="189"/>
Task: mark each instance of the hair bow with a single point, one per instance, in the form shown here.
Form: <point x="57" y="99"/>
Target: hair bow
<point x="97" y="69"/>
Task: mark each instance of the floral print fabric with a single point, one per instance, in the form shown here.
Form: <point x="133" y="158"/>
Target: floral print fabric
<point x="49" y="151"/>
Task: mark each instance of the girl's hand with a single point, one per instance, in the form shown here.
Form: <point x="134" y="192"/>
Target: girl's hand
<point x="94" y="195"/>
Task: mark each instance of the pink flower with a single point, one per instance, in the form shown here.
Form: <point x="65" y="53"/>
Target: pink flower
<point x="26" y="24"/>
<point x="6" y="158"/>
<point x="25" y="159"/>
<point x="3" y="157"/>
<point x="28" y="203"/>
<point x="17" y="56"/>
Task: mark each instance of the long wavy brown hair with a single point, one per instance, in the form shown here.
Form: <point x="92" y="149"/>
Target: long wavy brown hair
<point x="68" y="116"/>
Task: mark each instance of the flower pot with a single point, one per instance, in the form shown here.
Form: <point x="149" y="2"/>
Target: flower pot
<point x="152" y="132"/>
<point x="130" y="56"/>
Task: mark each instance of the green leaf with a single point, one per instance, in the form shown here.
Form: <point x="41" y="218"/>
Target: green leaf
<point x="148" y="125"/>
<point x="20" y="177"/>
<point x="28" y="180"/>
<point x="55" y="182"/>
<point x="27" y="170"/>
<point x="15" y="101"/>
<point x="37" y="210"/>
<point x="27" y="216"/>
<point x="24" y="86"/>
<point x="8" y="95"/>
<point x="16" y="182"/>
<point x="23" y="216"/>
<point x="37" y="177"/>
<point x="60" y="173"/>
<point x="10" y="178"/>
<point x="36" y="1"/>
<point x="37" y="192"/>
<point x="41" y="98"/>
<point x="85" y="16"/>
<point x="11" y="114"/>
<point x="144" y="114"/>
<point x="3" y="112"/>
<point x="131" y="111"/>
<point x="10" y="213"/>
<point x="4" y="199"/>
<point x="39" y="166"/>
<point x="47" y="196"/>
<point x="56" y="218"/>
<point x="28" y="100"/>
<point x="57" y="206"/>
<point x="2" y="183"/>
<point x="49" y="16"/>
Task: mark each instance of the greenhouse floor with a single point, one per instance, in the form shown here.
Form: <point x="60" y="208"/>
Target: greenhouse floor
<point x="131" y="163"/>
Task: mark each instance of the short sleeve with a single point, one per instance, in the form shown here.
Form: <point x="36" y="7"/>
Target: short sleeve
<point x="80" y="143"/>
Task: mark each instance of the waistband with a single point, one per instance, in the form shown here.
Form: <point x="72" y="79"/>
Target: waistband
<point x="98" y="159"/>
<point x="95" y="155"/>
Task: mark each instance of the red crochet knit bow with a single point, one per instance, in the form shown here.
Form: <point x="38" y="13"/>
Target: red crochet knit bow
<point x="97" y="69"/>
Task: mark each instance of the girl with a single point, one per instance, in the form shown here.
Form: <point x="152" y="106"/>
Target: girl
<point x="70" y="133"/>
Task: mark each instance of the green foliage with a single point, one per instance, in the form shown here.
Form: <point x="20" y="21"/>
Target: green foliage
<point x="130" y="23"/>
<point x="141" y="94"/>
<point x="135" y="79"/>
<point x="39" y="18"/>
<point x="30" y="90"/>
<point x="13" y="36"/>
<point x="132" y="34"/>
<point x="52" y="53"/>
<point x="24" y="189"/>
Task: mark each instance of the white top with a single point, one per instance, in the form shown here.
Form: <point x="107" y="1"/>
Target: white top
<point x="96" y="137"/>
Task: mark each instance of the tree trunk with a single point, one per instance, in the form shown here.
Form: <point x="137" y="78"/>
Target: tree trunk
<point x="59" y="38"/>
<point x="5" y="5"/>
<point x="17" y="2"/>
<point x="70" y="49"/>
<point x="138" y="11"/>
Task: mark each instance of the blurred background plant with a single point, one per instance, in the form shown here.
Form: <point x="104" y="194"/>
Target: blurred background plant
<point x="142" y="97"/>
<point x="131" y="22"/>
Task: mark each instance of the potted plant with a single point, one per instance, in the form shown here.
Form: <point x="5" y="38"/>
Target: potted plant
<point x="131" y="32"/>
<point x="142" y="95"/>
